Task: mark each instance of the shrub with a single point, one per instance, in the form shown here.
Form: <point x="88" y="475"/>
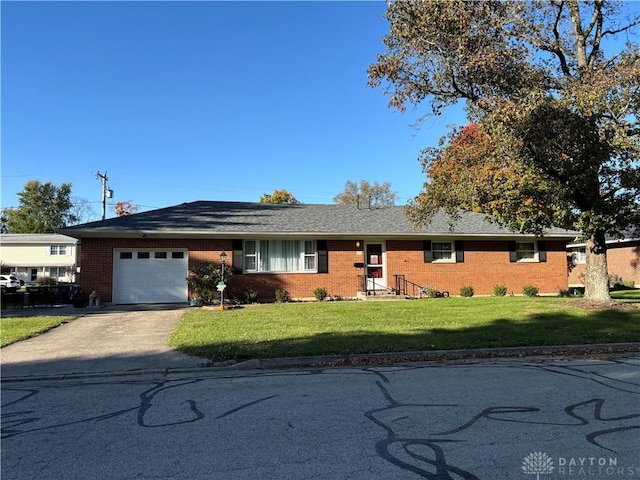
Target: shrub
<point x="499" y="290"/>
<point x="203" y="281"/>
<point x="466" y="291"/>
<point x="616" y="282"/>
<point x="249" y="295"/>
<point x="432" y="293"/>
<point x="45" y="281"/>
<point x="320" y="293"/>
<point x="282" y="296"/>
<point x="530" y="290"/>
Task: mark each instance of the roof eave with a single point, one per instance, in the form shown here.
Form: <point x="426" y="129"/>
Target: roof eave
<point x="173" y="234"/>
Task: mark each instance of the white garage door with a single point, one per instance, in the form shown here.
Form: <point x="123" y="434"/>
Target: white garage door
<point x="150" y="276"/>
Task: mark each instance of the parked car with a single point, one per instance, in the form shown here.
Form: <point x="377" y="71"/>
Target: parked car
<point x="9" y="281"/>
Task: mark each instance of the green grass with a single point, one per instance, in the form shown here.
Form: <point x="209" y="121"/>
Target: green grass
<point x="323" y="328"/>
<point x="631" y="295"/>
<point x="15" y="329"/>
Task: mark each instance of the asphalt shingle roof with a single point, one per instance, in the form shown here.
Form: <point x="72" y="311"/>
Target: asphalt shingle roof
<point x="255" y="219"/>
<point x="35" y="238"/>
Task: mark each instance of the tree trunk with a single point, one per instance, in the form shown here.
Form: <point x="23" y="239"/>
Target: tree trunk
<point x="596" y="278"/>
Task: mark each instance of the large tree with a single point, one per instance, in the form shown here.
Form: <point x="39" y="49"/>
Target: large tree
<point x="535" y="76"/>
<point x="365" y="193"/>
<point x="43" y="208"/>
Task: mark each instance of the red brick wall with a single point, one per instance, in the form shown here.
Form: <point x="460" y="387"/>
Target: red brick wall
<point x="486" y="263"/>
<point x="623" y="260"/>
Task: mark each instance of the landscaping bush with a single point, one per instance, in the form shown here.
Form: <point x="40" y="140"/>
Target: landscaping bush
<point x="616" y="282"/>
<point x="203" y="281"/>
<point x="466" y="291"/>
<point x="320" y="293"/>
<point x="432" y="293"/>
<point x="249" y="295"/>
<point x="499" y="290"/>
<point x="282" y="296"/>
<point x="530" y="291"/>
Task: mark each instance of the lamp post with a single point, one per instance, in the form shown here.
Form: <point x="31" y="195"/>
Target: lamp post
<point x="221" y="284"/>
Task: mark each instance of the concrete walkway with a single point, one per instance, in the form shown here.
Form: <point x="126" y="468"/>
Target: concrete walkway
<point x="112" y="339"/>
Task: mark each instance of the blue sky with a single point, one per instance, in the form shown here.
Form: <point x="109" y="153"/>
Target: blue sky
<point x="185" y="101"/>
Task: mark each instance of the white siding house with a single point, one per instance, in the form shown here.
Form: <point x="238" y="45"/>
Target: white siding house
<point x="33" y="256"/>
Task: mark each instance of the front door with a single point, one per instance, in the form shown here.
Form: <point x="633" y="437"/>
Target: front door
<point x="374" y="267"/>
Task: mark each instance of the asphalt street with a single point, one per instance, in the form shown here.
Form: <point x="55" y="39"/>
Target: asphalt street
<point x="509" y="419"/>
<point x="535" y="418"/>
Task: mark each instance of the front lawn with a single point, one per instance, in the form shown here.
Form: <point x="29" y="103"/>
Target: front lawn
<point x="627" y="295"/>
<point x="15" y="329"/>
<point x="323" y="328"/>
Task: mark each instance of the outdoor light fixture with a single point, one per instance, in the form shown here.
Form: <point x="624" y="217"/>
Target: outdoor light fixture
<point x="221" y="284"/>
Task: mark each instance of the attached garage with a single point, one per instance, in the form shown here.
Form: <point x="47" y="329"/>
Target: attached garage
<point x="150" y="276"/>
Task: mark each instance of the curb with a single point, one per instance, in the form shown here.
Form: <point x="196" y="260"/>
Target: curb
<point x="370" y="359"/>
<point x="437" y="355"/>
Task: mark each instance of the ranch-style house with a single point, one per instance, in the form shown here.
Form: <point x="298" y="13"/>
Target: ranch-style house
<point x="348" y="250"/>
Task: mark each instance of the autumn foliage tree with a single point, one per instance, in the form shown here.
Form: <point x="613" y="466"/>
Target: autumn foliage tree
<point x="556" y="108"/>
<point x="470" y="172"/>
<point x="278" y="196"/>
<point x="124" y="208"/>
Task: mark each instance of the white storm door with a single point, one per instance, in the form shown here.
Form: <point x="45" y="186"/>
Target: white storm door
<point x="374" y="267"/>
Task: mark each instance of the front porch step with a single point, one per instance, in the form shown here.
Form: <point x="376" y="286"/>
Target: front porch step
<point x="380" y="296"/>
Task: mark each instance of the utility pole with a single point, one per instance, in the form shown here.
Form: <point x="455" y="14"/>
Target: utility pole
<point x="106" y="193"/>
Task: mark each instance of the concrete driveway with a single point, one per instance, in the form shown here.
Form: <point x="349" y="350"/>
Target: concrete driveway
<point x="120" y="338"/>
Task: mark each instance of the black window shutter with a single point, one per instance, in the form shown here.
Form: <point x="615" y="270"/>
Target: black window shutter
<point x="428" y="254"/>
<point x="512" y="252"/>
<point x="323" y="256"/>
<point x="542" y="251"/>
<point x="459" y="246"/>
<point x="236" y="262"/>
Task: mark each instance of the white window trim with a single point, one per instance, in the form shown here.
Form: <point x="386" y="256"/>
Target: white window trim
<point x="57" y="248"/>
<point x="256" y="254"/>
<point x="535" y="259"/>
<point x="452" y="259"/>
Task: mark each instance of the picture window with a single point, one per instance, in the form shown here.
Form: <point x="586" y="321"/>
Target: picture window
<point x="280" y="256"/>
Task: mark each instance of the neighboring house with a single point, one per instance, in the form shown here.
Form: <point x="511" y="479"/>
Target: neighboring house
<point x="623" y="260"/>
<point x="33" y="256"/>
<point x="146" y="257"/>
